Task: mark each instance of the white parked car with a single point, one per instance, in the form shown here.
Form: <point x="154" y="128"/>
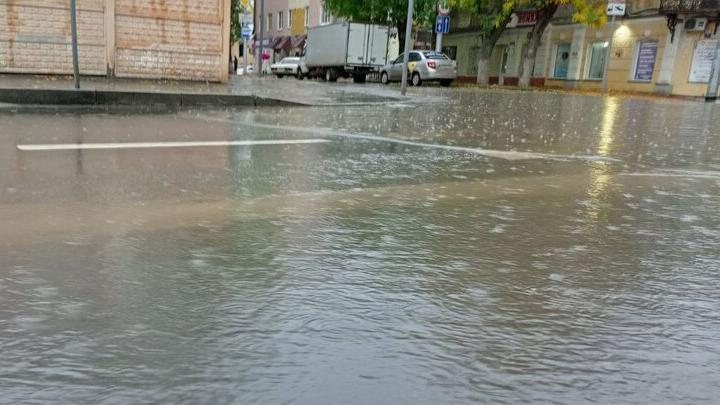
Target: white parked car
<point x="250" y="70"/>
<point x="286" y="67"/>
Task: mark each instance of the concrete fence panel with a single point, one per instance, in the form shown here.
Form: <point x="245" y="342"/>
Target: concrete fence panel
<point x="158" y="39"/>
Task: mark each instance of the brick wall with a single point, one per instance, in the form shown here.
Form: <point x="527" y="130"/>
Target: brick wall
<point x="35" y="36"/>
<point x="170" y="39"/>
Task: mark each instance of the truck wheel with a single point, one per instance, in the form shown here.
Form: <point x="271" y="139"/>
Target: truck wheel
<point x="384" y="78"/>
<point x="279" y="76"/>
<point x="359" y="78"/>
<point x="331" y="75"/>
<point x="299" y="75"/>
<point x="416" y="80"/>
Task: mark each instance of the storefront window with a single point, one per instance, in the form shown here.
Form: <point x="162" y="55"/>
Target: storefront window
<point x="596" y="60"/>
<point x="562" y="60"/>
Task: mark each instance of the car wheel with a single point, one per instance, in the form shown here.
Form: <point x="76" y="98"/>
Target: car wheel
<point x="384" y="78"/>
<point x="445" y="83"/>
<point x="279" y="76"/>
<point x="299" y="75"/>
<point x="416" y="80"/>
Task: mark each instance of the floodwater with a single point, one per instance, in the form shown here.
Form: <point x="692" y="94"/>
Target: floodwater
<point x="460" y="247"/>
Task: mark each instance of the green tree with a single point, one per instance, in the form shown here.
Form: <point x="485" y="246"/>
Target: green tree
<point x="490" y="18"/>
<point x="234" y="21"/>
<point x="385" y="12"/>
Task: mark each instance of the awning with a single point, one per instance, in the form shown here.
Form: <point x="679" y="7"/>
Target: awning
<point x="299" y="41"/>
<point x="282" y="43"/>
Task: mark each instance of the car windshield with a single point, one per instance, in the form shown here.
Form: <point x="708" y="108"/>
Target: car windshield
<point x="290" y="60"/>
<point x="435" y="55"/>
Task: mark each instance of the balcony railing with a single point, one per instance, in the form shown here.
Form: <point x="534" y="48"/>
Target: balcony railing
<point x="689" y="6"/>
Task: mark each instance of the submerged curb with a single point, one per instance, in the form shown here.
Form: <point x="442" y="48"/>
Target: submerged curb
<point x="25" y="96"/>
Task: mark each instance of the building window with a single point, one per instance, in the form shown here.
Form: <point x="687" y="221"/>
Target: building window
<point x="562" y="60"/>
<point x="596" y="60"/>
<point x="645" y="54"/>
<point x="269" y="22"/>
<point x="280" y="20"/>
<point x="307" y="16"/>
<point x="325" y="16"/>
<point x="290" y="17"/>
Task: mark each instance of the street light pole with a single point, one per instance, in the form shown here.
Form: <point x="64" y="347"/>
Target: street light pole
<point x="406" y="55"/>
<point x="607" y="56"/>
<point x="73" y="29"/>
<point x="259" y="52"/>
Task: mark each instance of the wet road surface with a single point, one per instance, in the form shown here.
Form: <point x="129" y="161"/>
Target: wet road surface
<point x="496" y="247"/>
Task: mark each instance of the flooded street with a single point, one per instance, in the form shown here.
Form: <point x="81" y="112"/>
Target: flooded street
<point x="463" y="246"/>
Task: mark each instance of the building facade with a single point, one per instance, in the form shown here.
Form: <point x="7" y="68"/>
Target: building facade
<point x="286" y="23"/>
<point x="164" y="39"/>
<point x="655" y="49"/>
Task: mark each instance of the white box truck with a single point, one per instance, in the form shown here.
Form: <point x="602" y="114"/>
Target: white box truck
<point x="345" y="49"/>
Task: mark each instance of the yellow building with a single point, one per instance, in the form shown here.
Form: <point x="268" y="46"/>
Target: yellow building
<point x="645" y="55"/>
<point x="657" y="47"/>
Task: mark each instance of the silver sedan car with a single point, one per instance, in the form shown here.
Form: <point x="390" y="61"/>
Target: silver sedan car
<point x="422" y="66"/>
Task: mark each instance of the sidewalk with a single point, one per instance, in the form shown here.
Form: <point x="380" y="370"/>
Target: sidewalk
<point x="239" y="91"/>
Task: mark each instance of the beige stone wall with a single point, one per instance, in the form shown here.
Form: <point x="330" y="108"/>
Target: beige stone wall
<point x="681" y="84"/>
<point x="174" y="39"/>
<point x="35" y="36"/>
<point x="169" y="39"/>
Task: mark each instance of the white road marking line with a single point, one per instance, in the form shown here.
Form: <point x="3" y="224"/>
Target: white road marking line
<point x="141" y="145"/>
<point x="502" y="154"/>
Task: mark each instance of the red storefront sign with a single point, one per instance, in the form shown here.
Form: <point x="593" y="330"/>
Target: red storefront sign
<point x="526" y="18"/>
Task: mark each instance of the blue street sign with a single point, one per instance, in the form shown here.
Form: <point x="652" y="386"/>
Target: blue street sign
<point x="442" y="24"/>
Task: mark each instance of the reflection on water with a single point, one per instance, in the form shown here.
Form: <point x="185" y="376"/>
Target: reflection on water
<point x="607" y="130"/>
<point x="359" y="271"/>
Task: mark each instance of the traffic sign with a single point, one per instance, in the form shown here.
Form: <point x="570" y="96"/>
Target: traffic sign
<point x="247" y="30"/>
<point x="616" y="7"/>
<point x="442" y="24"/>
<point x="247" y="25"/>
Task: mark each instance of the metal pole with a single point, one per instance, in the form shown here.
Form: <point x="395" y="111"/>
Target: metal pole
<point x="245" y="56"/>
<point x="406" y="55"/>
<point x="438" y="42"/>
<point x="712" y="93"/>
<point x="607" y="56"/>
<point x="259" y="52"/>
<point x="73" y="29"/>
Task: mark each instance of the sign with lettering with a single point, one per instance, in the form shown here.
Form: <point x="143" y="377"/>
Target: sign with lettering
<point x="645" y="65"/>
<point x="526" y="18"/>
<point x="702" y="61"/>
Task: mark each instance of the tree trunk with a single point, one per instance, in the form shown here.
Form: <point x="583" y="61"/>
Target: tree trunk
<point x="483" y="71"/>
<point x="545" y="14"/>
<point x="486" y="48"/>
<point x="401" y="35"/>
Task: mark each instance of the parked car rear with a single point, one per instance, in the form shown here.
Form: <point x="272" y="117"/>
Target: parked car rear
<point x="422" y="66"/>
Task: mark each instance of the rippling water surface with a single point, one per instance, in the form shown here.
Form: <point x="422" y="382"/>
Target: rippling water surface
<point x="365" y="271"/>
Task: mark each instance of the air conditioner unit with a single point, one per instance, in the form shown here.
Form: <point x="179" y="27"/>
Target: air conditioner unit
<point x="695" y="24"/>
